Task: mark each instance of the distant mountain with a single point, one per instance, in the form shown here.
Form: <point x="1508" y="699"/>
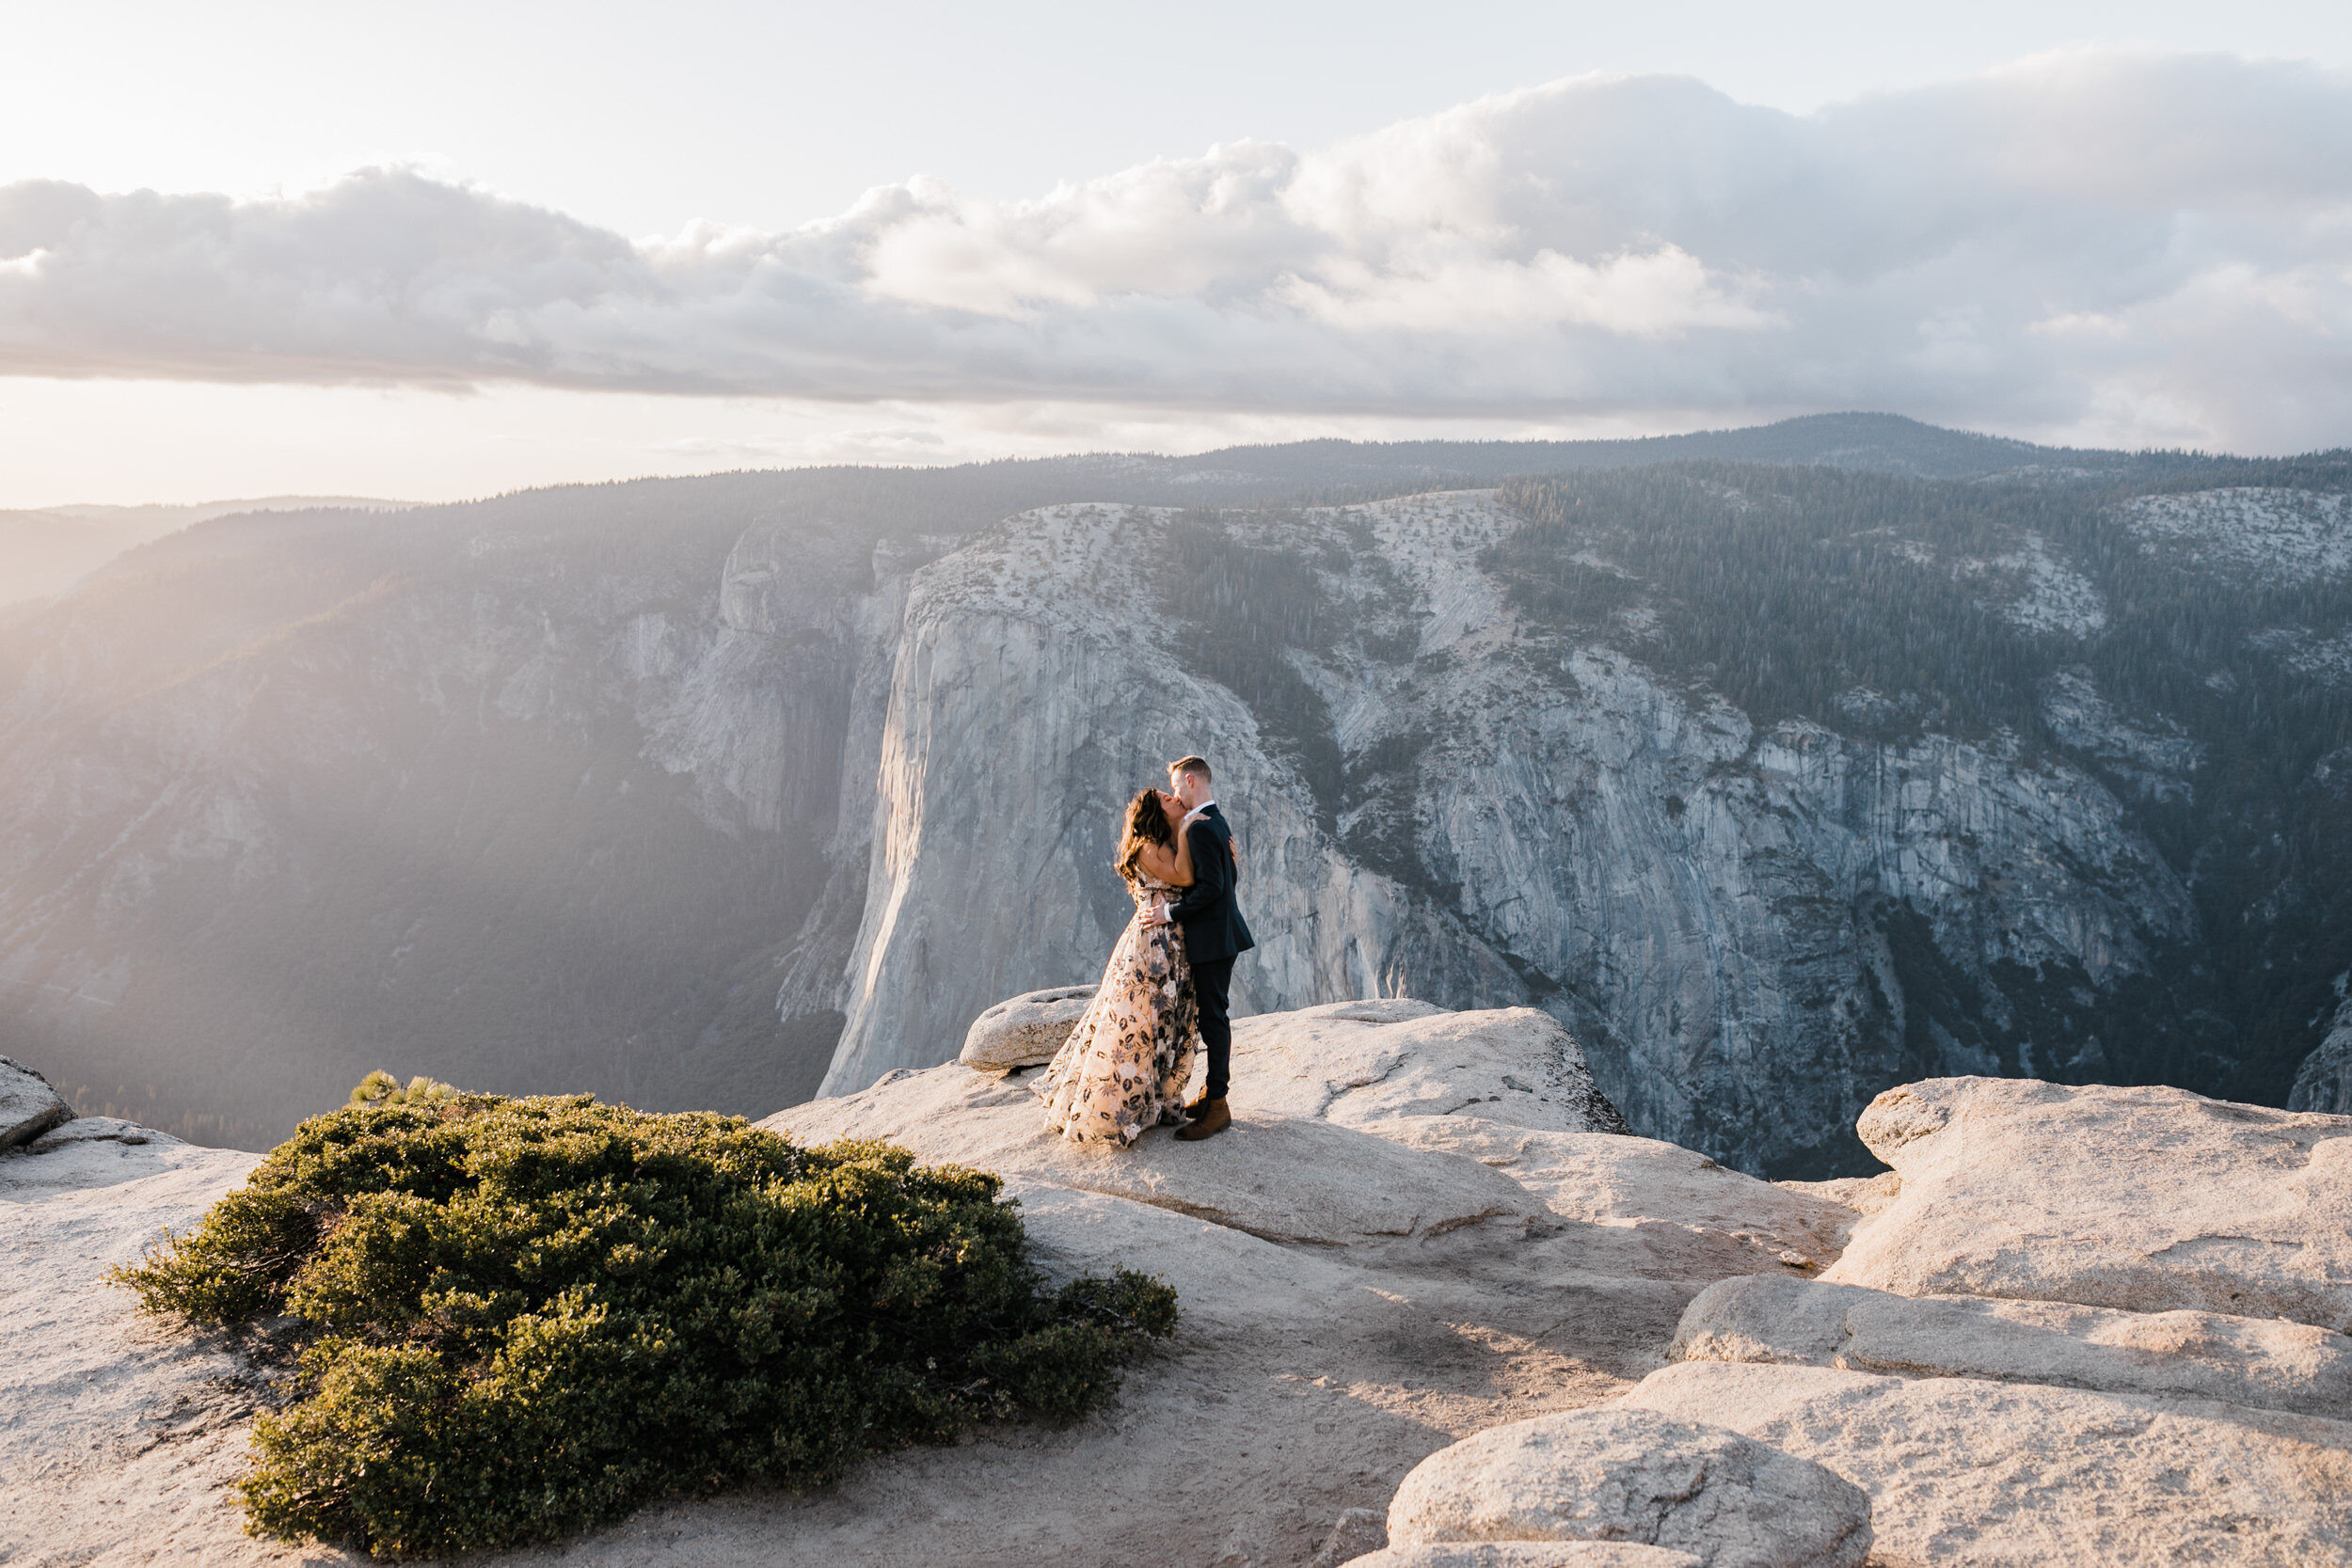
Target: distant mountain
<point x="160" y="517"/>
<point x="44" y="552"/>
<point x="1877" y="443"/>
<point x="1779" y="781"/>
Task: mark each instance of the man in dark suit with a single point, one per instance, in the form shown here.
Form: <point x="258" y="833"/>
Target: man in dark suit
<point x="1215" y="936"/>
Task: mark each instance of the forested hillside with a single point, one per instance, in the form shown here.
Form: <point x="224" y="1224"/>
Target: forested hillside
<point x="2189" y="645"/>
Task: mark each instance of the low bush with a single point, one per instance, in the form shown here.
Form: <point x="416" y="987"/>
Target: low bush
<point x="521" y="1318"/>
<point x="380" y="1088"/>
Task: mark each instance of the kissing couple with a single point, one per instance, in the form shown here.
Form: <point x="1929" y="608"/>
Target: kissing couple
<point x="1125" y="1066"/>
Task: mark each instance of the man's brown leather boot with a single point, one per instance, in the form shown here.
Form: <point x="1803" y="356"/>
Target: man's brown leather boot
<point x="1214" y="1119"/>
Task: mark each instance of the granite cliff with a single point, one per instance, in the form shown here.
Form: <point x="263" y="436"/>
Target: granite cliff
<point x="1877" y="754"/>
<point x="1699" y="895"/>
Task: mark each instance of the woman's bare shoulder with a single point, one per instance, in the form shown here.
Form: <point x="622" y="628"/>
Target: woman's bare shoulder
<point x="1159" y="860"/>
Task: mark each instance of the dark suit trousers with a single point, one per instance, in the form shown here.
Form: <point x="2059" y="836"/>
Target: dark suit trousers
<point x="1210" y="982"/>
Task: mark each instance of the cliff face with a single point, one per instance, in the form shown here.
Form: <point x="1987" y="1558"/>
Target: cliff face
<point x="1032" y="691"/>
<point x="1777" y="785"/>
<point x="2324" y="1082"/>
<point x="1752" y="930"/>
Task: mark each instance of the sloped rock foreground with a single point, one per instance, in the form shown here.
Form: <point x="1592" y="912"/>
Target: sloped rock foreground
<point x="117" y="1435"/>
<point x="1436" y="1318"/>
<point x="2019" y="1356"/>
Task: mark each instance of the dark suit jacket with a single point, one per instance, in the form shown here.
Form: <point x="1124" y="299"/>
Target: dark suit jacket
<point x="1214" y="929"/>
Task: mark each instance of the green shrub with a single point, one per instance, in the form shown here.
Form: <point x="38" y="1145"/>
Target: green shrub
<point x="381" y="1089"/>
<point x="525" y="1317"/>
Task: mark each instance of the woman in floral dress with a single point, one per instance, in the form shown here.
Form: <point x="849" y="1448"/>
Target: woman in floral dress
<point x="1125" y="1066"/>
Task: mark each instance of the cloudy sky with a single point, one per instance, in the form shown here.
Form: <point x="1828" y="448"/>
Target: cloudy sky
<point x="250" y="249"/>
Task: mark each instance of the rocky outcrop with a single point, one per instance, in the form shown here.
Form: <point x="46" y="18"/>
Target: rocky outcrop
<point x="28" y="1106"/>
<point x="1363" y="1278"/>
<point x="2277" y="535"/>
<point x="1515" y="1065"/>
<point x="1629" y="1475"/>
<point x="1642" y="1189"/>
<point x="1360" y="1124"/>
<point x="85" y="1129"/>
<point x="1356" y="1122"/>
<point x="1963" y="1471"/>
<point x="1024" y="1030"/>
<point x="2019" y="1356"/>
<point x="2148" y="1199"/>
<point x="1528" y="1554"/>
<point x="1281" y="1178"/>
<point x="1411" y="1329"/>
<point x="2266" y="1363"/>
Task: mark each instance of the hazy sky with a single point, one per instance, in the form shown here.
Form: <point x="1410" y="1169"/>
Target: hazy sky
<point x="606" y="240"/>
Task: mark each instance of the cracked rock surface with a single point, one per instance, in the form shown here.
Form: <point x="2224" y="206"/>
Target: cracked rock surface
<point x="2264" y="1362"/>
<point x="2149" y="1199"/>
<point x="1632" y="1475"/>
<point x="2073" y="1325"/>
<point x="1963" y="1471"/>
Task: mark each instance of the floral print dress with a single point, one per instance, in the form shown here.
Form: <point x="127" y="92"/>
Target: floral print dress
<point x="1126" y="1065"/>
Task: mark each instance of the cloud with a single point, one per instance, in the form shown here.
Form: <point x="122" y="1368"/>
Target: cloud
<point x="2124" y="241"/>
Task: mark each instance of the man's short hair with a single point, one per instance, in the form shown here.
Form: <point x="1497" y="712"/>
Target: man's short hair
<point x="1190" y="764"/>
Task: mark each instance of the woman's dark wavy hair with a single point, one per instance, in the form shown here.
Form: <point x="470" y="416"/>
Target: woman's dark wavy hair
<point x="1147" y="823"/>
